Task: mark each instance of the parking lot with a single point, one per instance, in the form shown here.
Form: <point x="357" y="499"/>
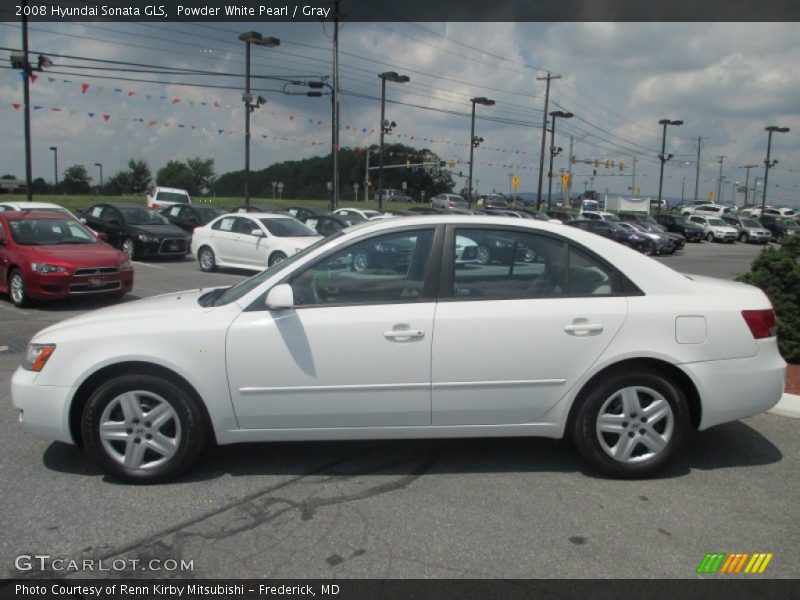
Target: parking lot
<point x="507" y="508"/>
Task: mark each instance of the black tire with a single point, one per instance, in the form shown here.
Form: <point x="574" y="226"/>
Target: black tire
<point x="129" y="247"/>
<point x="780" y="237"/>
<point x="186" y="422"/>
<point x="484" y="255"/>
<point x="206" y="259"/>
<point x="18" y="289"/>
<point x="275" y="258"/>
<point x="709" y="237"/>
<point x="743" y="237"/>
<point x="597" y="447"/>
<point x="360" y="260"/>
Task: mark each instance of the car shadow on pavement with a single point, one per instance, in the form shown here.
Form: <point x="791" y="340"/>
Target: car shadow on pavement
<point x="726" y="446"/>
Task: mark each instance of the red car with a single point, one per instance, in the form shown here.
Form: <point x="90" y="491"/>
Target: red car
<point x="46" y="255"/>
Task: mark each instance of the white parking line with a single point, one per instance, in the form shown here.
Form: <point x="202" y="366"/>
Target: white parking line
<point x="136" y="262"/>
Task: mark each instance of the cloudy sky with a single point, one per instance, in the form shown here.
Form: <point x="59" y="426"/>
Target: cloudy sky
<point x="725" y="81"/>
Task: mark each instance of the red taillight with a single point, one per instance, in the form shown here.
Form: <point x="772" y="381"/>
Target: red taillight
<point x="156" y="206"/>
<point x="761" y="322"/>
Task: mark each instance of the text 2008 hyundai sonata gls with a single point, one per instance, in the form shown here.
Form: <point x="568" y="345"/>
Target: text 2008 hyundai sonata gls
<point x="572" y="335"/>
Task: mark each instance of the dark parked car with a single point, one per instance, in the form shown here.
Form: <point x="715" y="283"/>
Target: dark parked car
<point x="492" y="201"/>
<point x="301" y="212"/>
<point x="536" y="214"/>
<point x="617" y="233"/>
<point x="429" y="210"/>
<point x="137" y="230"/>
<point x="564" y="216"/>
<point x="48" y="255"/>
<point x="325" y="225"/>
<point x="780" y="227"/>
<point x="189" y="216"/>
<point x="680" y="224"/>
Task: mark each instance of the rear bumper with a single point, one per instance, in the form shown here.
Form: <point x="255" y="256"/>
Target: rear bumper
<point x="738" y="388"/>
<point x="44" y="409"/>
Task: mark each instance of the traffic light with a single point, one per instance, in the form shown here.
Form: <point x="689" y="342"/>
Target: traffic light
<point x="621" y="166"/>
<point x="452" y="164"/>
<point x="608" y="164"/>
<point x="572" y="159"/>
<point x="596" y="164"/>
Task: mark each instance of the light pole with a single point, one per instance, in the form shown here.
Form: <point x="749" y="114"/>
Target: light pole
<point x="251" y="37"/>
<point x="664" y="157"/>
<point x="474" y="142"/>
<point x="683" y="188"/>
<point x="386" y="127"/>
<point x="767" y="164"/>
<point x="747" y="180"/>
<point x="553" y="150"/>
<point x="101" y="175"/>
<point x="55" y="166"/>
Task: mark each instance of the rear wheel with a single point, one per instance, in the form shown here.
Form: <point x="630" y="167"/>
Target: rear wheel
<point x="275" y="258"/>
<point x="630" y="425"/>
<point x="207" y="260"/>
<point x="17" y="290"/>
<point x="142" y="428"/>
<point x="484" y="255"/>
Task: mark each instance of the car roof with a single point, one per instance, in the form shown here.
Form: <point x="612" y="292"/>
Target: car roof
<point x="122" y="205"/>
<point x="170" y="189"/>
<point x="16" y="215"/>
<point x="260" y="215"/>
<point x="32" y="205"/>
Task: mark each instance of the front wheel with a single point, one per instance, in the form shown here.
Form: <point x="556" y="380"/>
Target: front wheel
<point x="710" y="237"/>
<point x="129" y="247"/>
<point x="17" y="290"/>
<point x="207" y="260"/>
<point x="630" y="425"/>
<point x="142" y="428"/>
<point x="743" y="237"/>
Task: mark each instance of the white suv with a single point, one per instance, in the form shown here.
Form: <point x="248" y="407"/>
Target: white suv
<point x="163" y="197"/>
<point x="715" y="229"/>
<point x="713" y="210"/>
<point x="448" y="201"/>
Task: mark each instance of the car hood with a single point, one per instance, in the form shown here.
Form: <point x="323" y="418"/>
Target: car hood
<point x="161" y="230"/>
<point x="97" y="254"/>
<point x="172" y="306"/>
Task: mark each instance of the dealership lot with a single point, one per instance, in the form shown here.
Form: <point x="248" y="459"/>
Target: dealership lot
<point x="458" y="508"/>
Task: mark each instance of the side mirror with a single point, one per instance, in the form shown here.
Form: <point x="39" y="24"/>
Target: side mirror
<point x="257" y="233"/>
<point x="82" y="220"/>
<point x="280" y="297"/>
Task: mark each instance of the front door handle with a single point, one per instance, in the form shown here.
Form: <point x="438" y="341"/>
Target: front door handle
<point x="583" y="328"/>
<point x="403" y="335"/>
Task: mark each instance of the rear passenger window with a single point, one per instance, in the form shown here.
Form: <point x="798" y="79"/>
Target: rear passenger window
<point x="587" y="276"/>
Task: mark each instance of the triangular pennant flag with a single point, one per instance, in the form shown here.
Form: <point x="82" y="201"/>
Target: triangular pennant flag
<point x="148" y="96"/>
<point x="203" y="103"/>
<point x="181" y="125"/>
<point x="176" y="100"/>
<point x="33" y="77"/>
<point x="101" y="89"/>
<point x="291" y="117"/>
<point x="106" y="117"/>
<point x="55" y="109"/>
<point x="91" y="114"/>
<point x="16" y="105"/>
<point x="72" y="112"/>
<point x="51" y="79"/>
<point x="163" y="97"/>
<point x="220" y="131"/>
<point x="217" y="104"/>
<point x="191" y="102"/>
<point x="84" y="87"/>
<point x="118" y="90"/>
<point x="140" y="119"/>
<point x="194" y="126"/>
<point x="131" y="93"/>
<point x="37" y="108"/>
<point x="151" y="122"/>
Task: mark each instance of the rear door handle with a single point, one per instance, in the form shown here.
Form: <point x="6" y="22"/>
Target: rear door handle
<point x="583" y="328"/>
<point x="402" y="335"/>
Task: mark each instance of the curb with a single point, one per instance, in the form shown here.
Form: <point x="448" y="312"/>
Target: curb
<point x="788" y="406"/>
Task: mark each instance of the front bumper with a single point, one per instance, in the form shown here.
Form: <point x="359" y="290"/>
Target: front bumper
<point x="165" y="247"/>
<point x="55" y="286"/>
<point x="741" y="387"/>
<point x="44" y="409"/>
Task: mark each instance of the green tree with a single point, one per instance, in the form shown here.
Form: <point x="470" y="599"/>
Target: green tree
<point x="140" y="177"/>
<point x="175" y="174"/>
<point x="119" y="184"/>
<point x="203" y="175"/>
<point x="777" y="272"/>
<point x="40" y="186"/>
<point x="76" y="180"/>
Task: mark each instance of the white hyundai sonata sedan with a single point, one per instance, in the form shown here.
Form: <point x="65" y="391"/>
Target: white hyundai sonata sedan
<point x="562" y="333"/>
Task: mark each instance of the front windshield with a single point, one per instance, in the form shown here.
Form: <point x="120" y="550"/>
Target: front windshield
<point x="49" y="232"/>
<point x="287" y="228"/>
<point x="241" y="289"/>
<point x="371" y="213"/>
<point x="785" y="221"/>
<point x="142" y="216"/>
<point x="750" y="223"/>
<point x="717" y="223"/>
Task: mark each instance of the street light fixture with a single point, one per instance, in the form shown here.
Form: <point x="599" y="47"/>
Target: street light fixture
<point x="767" y="164"/>
<point x="664" y="157"/>
<point x="55" y="165"/>
<point x="386" y="127"/>
<point x="101" y="175"/>
<point x="553" y="150"/>
<point x="251" y="37"/>
<point x="474" y="141"/>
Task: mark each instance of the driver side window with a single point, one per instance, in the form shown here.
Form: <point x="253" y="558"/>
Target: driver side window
<point x="379" y="270"/>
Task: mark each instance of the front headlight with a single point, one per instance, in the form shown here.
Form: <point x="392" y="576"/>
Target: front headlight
<point x="126" y="265"/>
<point x="36" y="356"/>
<point x="146" y="238"/>
<point x="45" y="268"/>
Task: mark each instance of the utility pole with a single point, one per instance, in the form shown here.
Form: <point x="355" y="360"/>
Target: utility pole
<point x="633" y="178"/>
<point x="26" y="95"/>
<point x="335" y="108"/>
<point x="571" y="158"/>
<point x="719" y="179"/>
<point x="544" y="135"/>
<point x="697" y="173"/>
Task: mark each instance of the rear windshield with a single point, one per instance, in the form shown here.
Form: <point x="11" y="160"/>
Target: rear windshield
<point x="143" y="216"/>
<point x="49" y="232"/>
<point x="173" y="197"/>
